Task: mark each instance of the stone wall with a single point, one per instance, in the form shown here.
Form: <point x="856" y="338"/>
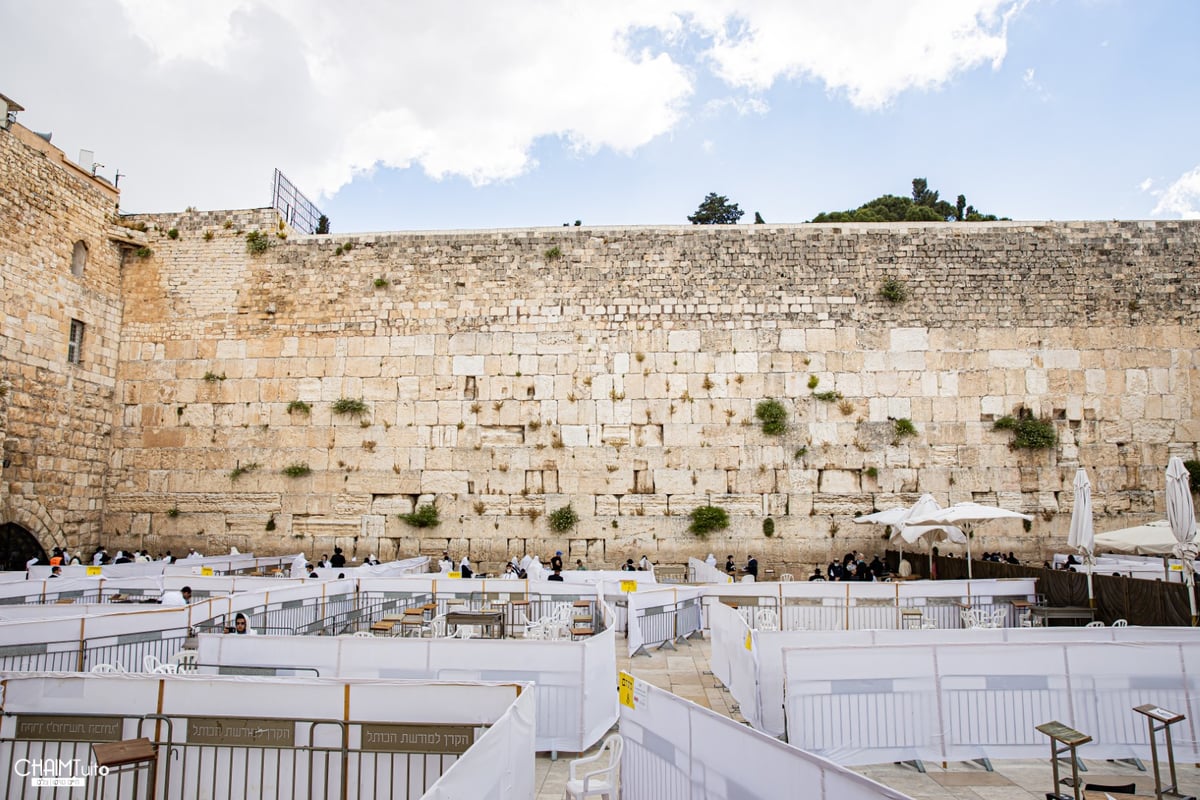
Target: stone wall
<point x="55" y="417"/>
<point x="506" y="374"/>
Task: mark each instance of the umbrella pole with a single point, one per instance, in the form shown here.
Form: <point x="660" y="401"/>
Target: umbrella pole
<point x="1092" y="597"/>
<point x="968" y="553"/>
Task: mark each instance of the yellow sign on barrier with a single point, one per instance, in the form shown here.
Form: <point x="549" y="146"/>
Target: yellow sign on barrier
<point x="749" y="641"/>
<point x="453" y="574"/>
<point x="94" y="571"/>
<point x="206" y="572"/>
<point x="625" y="689"/>
<point x="628" y="586"/>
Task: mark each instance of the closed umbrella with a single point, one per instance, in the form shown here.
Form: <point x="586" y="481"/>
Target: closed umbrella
<point x="1083" y="535"/>
<point x="965" y="515"/>
<point x="1182" y="518"/>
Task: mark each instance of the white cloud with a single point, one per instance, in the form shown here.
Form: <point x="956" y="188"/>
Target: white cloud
<point x="1146" y="184"/>
<point x="195" y="102"/>
<point x="1182" y="197"/>
<point x="872" y="50"/>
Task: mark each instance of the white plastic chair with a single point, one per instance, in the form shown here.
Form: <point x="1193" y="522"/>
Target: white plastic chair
<point x="1120" y="623"/>
<point x="363" y="635"/>
<point x="787" y="576"/>
<point x="165" y="669"/>
<point x="105" y="669"/>
<point x="151" y="663"/>
<point x="185" y="661"/>
<point x="765" y="619"/>
<point x="587" y="778"/>
<point x="999" y="617"/>
<point x="928" y="623"/>
<point x="1026" y="619"/>
<point x="467" y="632"/>
<point x="1094" y="624"/>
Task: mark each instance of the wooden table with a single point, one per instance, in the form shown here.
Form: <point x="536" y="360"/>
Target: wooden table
<point x="1075" y="613"/>
<point x="490" y="623"/>
<point x="911" y="618"/>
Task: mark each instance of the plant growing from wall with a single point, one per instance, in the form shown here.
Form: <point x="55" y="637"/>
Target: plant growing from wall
<point x="212" y="377"/>
<point x="425" y="516"/>
<point x="242" y="469"/>
<point x="768" y="527"/>
<point x="350" y="406"/>
<point x="813" y="381"/>
<point x="257" y="243"/>
<point x="381" y="283"/>
<point x="143" y="252"/>
<point x="773" y="417"/>
<point x="871" y="472"/>
<point x="553" y="254"/>
<point x="173" y="512"/>
<point x="706" y="519"/>
<point x="893" y="290"/>
<point x="173" y="233"/>
<point x="563" y="519"/>
<point x="904" y="427"/>
<point x="299" y="407"/>
<point x="297" y="470"/>
<point x="1029" y="432"/>
<point x="828" y="397"/>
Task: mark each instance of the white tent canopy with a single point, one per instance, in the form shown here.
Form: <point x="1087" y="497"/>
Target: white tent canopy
<point x="1151" y="539"/>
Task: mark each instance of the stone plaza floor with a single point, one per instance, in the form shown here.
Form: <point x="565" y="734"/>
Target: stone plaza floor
<point x="685" y="671"/>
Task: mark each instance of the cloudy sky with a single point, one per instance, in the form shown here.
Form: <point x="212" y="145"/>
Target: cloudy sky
<point x="398" y="115"/>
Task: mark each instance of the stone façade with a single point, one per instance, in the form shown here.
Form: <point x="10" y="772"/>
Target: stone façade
<point x="506" y="374"/>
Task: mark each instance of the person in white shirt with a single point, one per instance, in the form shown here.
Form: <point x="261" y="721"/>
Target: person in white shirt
<point x="711" y="560"/>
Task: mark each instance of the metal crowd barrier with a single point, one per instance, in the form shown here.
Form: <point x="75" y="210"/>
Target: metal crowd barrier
<point x="243" y="759"/>
<point x="127" y="649"/>
<point x="662" y="626"/>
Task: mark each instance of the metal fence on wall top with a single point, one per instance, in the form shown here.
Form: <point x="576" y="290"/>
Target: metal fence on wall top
<point x="296" y="209"/>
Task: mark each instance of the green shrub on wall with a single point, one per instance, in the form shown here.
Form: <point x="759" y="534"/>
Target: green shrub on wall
<point x="425" y="516"/>
<point x="773" y="417"/>
<point x="707" y="519"/>
<point x="563" y="520"/>
<point x="1029" y="432"/>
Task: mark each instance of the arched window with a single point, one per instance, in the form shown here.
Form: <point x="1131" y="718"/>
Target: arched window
<point x="79" y="259"/>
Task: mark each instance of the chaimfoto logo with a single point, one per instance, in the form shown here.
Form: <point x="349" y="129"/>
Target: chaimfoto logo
<point x="53" y="772"/>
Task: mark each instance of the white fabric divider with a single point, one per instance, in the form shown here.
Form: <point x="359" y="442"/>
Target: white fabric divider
<point x="758" y="683"/>
<point x="133" y="569"/>
<point x="607" y="576"/>
<point x="700" y="572"/>
<point x="676" y="750"/>
<point x="576" y="702"/>
<point x="13" y="577"/>
<point x="734" y="661"/>
<point x="950" y="702"/>
<point x="500" y="765"/>
<point x="251" y="769"/>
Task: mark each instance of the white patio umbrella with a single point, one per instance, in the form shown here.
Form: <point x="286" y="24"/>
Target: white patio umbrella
<point x="1182" y="518"/>
<point x="1083" y="534"/>
<point x="965" y="515"/>
<point x="895" y="517"/>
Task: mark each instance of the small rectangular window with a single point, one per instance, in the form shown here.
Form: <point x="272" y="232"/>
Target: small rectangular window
<point x="75" y="343"/>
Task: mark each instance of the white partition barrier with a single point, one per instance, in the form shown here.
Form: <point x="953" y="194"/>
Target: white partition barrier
<point x="755" y="676"/>
<point x="676" y="750"/>
<point x="662" y="617"/>
<point x="576" y="701"/>
<point x="700" y="572"/>
<point x="953" y="702"/>
<point x="243" y="738"/>
<point x="498" y="766"/>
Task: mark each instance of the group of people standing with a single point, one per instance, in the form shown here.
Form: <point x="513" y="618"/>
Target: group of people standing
<point x="854" y="567"/>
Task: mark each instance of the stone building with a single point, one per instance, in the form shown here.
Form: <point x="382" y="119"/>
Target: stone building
<point x="313" y="393"/>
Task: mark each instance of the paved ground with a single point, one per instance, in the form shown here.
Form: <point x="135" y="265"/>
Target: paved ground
<point x="685" y="672"/>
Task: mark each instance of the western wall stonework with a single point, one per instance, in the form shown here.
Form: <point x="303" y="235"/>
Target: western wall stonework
<point x="506" y="374"/>
<point x="56" y="416"/>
